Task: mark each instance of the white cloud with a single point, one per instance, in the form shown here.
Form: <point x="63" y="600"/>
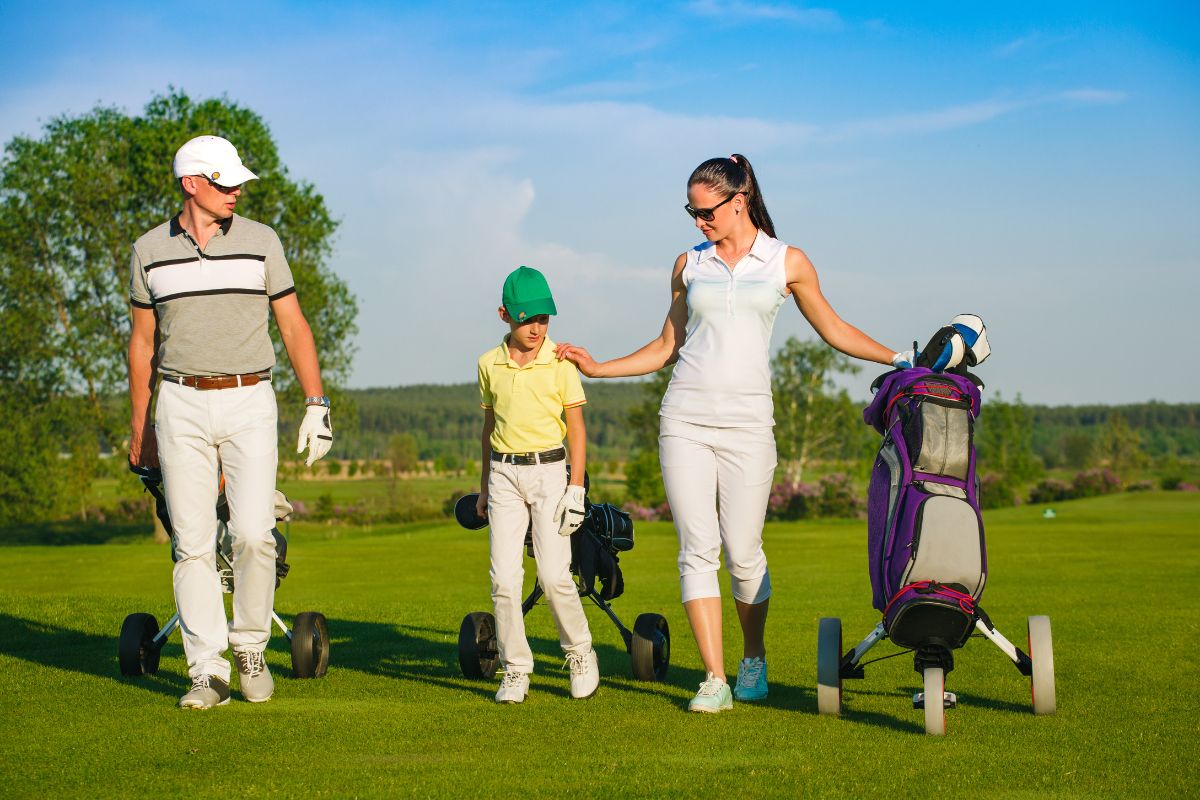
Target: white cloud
<point x="738" y="11"/>
<point x="1095" y="96"/>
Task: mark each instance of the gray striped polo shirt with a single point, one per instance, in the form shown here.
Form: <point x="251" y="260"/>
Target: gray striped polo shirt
<point x="212" y="305"/>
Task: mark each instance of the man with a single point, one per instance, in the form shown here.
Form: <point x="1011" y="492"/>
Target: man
<point x="203" y="284"/>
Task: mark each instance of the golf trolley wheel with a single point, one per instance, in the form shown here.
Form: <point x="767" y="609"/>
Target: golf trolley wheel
<point x="650" y="647"/>
<point x="829" y="662"/>
<point x="935" y="707"/>
<point x="310" y="645"/>
<point x="136" y="649"/>
<point x="478" y="653"/>
<point x="1041" y="653"/>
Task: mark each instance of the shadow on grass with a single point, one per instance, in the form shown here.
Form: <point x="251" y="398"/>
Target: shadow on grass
<point x="76" y="532"/>
<point x="76" y="651"/>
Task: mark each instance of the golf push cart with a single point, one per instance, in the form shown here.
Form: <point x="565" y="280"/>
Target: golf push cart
<point x="925" y="542"/>
<point x="606" y="532"/>
<point x="142" y="640"/>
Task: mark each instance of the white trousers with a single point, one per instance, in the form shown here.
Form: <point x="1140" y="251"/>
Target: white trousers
<point x="200" y="432"/>
<point x="718" y="481"/>
<point x="517" y="495"/>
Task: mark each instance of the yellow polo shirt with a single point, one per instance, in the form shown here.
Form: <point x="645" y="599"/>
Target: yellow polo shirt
<point x="528" y="401"/>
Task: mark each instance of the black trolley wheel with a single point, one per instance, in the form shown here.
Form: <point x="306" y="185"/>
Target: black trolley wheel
<point x="310" y="645"/>
<point x="136" y="649"/>
<point x="829" y="661"/>
<point x="478" y="653"/>
<point x="650" y="647"/>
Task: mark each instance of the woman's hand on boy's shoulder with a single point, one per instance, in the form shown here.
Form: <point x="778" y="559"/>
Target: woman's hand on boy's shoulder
<point x="578" y="356"/>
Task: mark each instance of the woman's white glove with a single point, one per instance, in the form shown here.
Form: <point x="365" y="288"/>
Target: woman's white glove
<point x="315" y="433"/>
<point x="904" y="360"/>
<point x="570" y="511"/>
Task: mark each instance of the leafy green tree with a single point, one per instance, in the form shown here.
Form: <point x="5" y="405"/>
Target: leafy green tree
<point x="403" y="452"/>
<point x="1004" y="441"/>
<point x="71" y="203"/>
<point x="643" y="471"/>
<point x="1120" y="445"/>
<point x="813" y="418"/>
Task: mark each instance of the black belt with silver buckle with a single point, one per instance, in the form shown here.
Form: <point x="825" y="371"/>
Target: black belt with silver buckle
<point x="528" y="459"/>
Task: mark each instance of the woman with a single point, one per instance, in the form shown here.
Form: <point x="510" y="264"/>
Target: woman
<point x="716" y="441"/>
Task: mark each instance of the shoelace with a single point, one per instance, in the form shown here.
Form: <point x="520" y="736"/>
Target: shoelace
<point x="749" y="672"/>
<point x="511" y="680"/>
<point x="711" y="686"/>
<point x="200" y="683"/>
<point x="252" y="663"/>
<point x="576" y="662"/>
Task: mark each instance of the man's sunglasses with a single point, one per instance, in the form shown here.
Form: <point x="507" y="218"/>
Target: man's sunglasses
<point x="225" y="189"/>
<point x="707" y="214"/>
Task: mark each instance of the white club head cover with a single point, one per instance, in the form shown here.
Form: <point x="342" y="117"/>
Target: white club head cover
<point x="974" y="336"/>
<point x="316" y="433"/>
<point x="570" y="512"/>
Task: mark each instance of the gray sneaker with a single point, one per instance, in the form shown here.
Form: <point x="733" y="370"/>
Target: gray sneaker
<point x="254" y="677"/>
<point x="208" y="691"/>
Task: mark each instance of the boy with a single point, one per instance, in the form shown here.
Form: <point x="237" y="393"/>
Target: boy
<point x="525" y="392"/>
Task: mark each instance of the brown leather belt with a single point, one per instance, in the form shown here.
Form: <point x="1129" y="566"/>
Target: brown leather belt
<point x="528" y="459"/>
<point x="218" y="381"/>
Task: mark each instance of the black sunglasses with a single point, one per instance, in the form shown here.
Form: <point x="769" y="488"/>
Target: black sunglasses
<point x="707" y="214"/>
<point x="219" y="187"/>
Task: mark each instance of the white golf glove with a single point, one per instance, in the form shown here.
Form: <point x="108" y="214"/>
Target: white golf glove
<point x="904" y="360"/>
<point x="570" y="511"/>
<point x="315" y="433"/>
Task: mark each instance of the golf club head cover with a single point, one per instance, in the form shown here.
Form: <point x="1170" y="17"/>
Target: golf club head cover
<point x="944" y="351"/>
<point x="974" y="334"/>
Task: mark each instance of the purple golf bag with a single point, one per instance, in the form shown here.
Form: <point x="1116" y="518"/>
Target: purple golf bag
<point x="925" y="540"/>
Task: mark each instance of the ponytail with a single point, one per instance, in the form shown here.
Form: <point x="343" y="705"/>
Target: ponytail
<point x="734" y="174"/>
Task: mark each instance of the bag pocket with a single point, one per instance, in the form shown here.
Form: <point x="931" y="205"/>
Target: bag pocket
<point x="947" y="545"/>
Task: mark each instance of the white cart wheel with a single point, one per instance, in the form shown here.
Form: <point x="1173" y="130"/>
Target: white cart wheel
<point x="829" y="659"/>
<point x="1041" y="653"/>
<point x="935" y="708"/>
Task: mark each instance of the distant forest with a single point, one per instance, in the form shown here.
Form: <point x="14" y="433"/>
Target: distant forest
<point x="445" y="420"/>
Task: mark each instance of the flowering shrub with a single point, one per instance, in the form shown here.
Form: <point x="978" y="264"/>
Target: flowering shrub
<point x="833" y="496"/>
<point x="1140" y="486"/>
<point x="997" y="491"/>
<point x="1093" y="482"/>
<point x="1186" y="487"/>
<point x="1050" y="491"/>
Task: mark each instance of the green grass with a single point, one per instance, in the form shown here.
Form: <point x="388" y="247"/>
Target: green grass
<point x="1117" y="575"/>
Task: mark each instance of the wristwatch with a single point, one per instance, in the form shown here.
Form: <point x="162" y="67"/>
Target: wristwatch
<point x="317" y="400"/>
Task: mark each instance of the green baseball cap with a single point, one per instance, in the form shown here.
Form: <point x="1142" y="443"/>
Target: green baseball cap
<point x="526" y="294"/>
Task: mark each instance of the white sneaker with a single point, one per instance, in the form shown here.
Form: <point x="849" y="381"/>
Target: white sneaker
<point x="208" y="691"/>
<point x="585" y="674"/>
<point x="255" y="678"/>
<point x="513" y="687"/>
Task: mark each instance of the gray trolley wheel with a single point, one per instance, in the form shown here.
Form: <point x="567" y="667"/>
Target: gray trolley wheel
<point x="136" y="650"/>
<point x="310" y="645"/>
<point x="1041" y="653"/>
<point x="650" y="647"/>
<point x="935" y="707"/>
<point x="478" y="653"/>
<point x="829" y="658"/>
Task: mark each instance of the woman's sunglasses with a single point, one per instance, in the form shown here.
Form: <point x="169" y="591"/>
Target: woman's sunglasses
<point x="707" y="214"/>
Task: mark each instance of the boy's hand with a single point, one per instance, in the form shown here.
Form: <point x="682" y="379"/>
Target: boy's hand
<point x="481" y="506"/>
<point x="570" y="511"/>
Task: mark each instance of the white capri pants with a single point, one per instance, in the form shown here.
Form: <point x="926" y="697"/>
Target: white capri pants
<point x="718" y="481"/>
<point x="199" y="432"/>
<point x="517" y="495"/>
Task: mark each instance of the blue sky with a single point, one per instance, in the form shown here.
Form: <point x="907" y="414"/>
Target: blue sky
<point x="1037" y="164"/>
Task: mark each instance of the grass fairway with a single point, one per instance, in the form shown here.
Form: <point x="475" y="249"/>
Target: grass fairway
<point x="1117" y="575"/>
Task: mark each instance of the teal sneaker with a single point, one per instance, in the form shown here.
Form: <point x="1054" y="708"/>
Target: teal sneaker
<point x="751" y="682"/>
<point x="713" y="696"/>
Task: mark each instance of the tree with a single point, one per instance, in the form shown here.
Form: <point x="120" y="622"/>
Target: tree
<point x="402" y="452"/>
<point x="72" y="202"/>
<point x="1004" y="441"/>
<point x="813" y="418"/>
<point x="1120" y="445"/>
<point x="643" y="471"/>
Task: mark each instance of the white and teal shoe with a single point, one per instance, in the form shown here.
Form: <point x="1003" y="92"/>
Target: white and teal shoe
<point x="751" y="681"/>
<point x="713" y="696"/>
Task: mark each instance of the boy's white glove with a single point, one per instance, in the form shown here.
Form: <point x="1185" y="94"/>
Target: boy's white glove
<point x="315" y="433"/>
<point x="570" y="511"/>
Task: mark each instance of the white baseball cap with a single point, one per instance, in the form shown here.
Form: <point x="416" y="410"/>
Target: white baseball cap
<point x="214" y="158"/>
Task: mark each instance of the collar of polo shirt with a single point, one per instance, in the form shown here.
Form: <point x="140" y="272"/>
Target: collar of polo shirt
<point x="760" y="249"/>
<point x="545" y="354"/>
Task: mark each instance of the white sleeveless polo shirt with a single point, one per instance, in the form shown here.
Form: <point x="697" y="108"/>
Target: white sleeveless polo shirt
<point x="723" y="375"/>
